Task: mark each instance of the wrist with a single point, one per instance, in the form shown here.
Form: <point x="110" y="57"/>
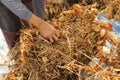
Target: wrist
<point x="36" y="21"/>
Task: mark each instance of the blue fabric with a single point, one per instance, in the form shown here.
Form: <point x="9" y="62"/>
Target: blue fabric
<point x="116" y="24"/>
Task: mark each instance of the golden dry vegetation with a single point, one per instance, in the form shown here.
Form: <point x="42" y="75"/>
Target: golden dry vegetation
<point x="78" y="55"/>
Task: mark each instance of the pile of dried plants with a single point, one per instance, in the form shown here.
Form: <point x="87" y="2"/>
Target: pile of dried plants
<point x="55" y="7"/>
<point x="78" y="55"/>
<point x="101" y="4"/>
<point x="113" y="10"/>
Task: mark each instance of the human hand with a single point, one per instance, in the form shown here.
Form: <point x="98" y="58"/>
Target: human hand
<point x="46" y="30"/>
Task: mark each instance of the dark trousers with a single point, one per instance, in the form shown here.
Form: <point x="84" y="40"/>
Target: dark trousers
<point x="10" y="24"/>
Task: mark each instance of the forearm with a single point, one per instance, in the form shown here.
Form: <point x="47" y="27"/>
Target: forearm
<point x="18" y="8"/>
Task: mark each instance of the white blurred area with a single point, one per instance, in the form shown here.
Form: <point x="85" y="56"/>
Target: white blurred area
<point x="3" y="55"/>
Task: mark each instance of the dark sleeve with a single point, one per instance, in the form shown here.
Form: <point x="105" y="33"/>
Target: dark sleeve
<point x="18" y="8"/>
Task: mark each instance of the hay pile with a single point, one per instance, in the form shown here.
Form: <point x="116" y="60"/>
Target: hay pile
<point x="101" y="4"/>
<point x="54" y="7"/>
<point x="78" y="55"/>
<point x="113" y="10"/>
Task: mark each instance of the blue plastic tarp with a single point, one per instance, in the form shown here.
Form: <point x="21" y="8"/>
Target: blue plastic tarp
<point x="115" y="24"/>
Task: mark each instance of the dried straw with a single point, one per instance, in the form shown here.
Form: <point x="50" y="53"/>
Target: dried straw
<point x="113" y="10"/>
<point x="68" y="59"/>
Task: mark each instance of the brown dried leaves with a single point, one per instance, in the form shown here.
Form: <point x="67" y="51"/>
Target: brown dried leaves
<point x="70" y="57"/>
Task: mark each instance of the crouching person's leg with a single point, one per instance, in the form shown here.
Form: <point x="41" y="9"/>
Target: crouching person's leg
<point x="10" y="25"/>
<point x="10" y="37"/>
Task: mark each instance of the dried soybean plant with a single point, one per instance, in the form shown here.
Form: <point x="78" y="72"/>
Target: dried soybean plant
<point x="100" y="3"/>
<point x="54" y="7"/>
<point x="113" y="10"/>
<point x="82" y="39"/>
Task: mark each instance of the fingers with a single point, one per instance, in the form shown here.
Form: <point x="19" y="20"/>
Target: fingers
<point x="57" y="33"/>
<point x="51" y="39"/>
<point x="54" y="36"/>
